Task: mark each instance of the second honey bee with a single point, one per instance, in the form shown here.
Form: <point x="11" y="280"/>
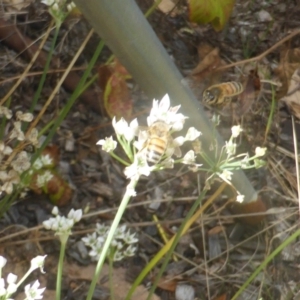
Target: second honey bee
<point x="159" y="141"/>
<point x="219" y="94"/>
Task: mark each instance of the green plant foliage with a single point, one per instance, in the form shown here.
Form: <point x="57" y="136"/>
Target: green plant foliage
<point x="216" y="12"/>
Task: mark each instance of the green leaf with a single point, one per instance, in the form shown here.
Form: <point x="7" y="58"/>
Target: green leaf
<point x="216" y="12"/>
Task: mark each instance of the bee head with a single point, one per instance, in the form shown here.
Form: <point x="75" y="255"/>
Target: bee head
<point x="211" y="95"/>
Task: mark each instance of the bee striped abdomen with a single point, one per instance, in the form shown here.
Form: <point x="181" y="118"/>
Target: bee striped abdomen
<point x="155" y="149"/>
<point x="219" y="93"/>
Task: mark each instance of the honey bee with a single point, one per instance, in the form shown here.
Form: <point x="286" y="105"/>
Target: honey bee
<point x="158" y="141"/>
<point x="218" y="94"/>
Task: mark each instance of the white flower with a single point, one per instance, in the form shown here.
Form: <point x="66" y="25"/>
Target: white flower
<point x="33" y="136"/>
<point x="62" y="225"/>
<point x="122" y="128"/>
<point x="163" y="112"/>
<point x="17" y="132"/>
<point x="5" y="111"/>
<point x="118" y="256"/>
<point x="70" y="6"/>
<point x="132" y="130"/>
<point x="21" y="163"/>
<point x="260" y="151"/>
<point x="33" y="292"/>
<point x="192" y="134"/>
<point x="37" y="262"/>
<point x="236" y="130"/>
<point x="75" y="215"/>
<point x="108" y="144"/>
<point x="55" y="211"/>
<point x="11" y="288"/>
<point x="129" y="251"/>
<point x="44" y="178"/>
<point x="230" y="148"/>
<point x="240" y="198"/>
<point x="189" y="158"/>
<point x="11" y="278"/>
<point x="7" y="150"/>
<point x="25" y="117"/>
<point x="226" y="175"/>
<point x="3" y="262"/>
<point x="48" y="2"/>
<point x="138" y="167"/>
<point x="129" y="238"/>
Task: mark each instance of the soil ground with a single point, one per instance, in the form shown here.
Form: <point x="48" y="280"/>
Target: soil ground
<point x="225" y="249"/>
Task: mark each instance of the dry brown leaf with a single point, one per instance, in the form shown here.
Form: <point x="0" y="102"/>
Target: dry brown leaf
<point x="204" y="74"/>
<point x="166" y="6"/>
<point x="209" y="62"/>
<point x="250" y="93"/>
<point x="292" y="98"/>
<point x="121" y="286"/>
<point x="289" y="62"/>
<point x="13" y="5"/>
<point x="215" y="230"/>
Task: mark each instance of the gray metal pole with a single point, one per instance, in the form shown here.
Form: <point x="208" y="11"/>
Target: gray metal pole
<point x="128" y="34"/>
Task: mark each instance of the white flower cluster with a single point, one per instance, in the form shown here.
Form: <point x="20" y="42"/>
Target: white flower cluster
<point x="11" y="285"/>
<point x="162" y="122"/>
<point x="59" y="9"/>
<point x="13" y="158"/>
<point x="43" y="175"/>
<point x="120" y="247"/>
<point x="62" y="225"/>
<point x="233" y="162"/>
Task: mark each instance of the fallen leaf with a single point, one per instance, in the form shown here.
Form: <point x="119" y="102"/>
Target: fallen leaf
<point x="167" y="284"/>
<point x="208" y="62"/>
<point x="216" y="12"/>
<point x="204" y="74"/>
<point x="292" y="98"/>
<point x="289" y="63"/>
<point x="116" y="96"/>
<point x="166" y="6"/>
<point x="121" y="286"/>
<point x="16" y="5"/>
<point x="250" y="93"/>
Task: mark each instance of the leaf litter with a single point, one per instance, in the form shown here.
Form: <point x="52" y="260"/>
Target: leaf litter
<point x="222" y="250"/>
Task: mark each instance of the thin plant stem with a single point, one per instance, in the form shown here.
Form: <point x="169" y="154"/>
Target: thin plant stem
<point x="35" y="56"/>
<point x="111" y="284"/>
<point x="60" y="269"/>
<point x="125" y="163"/>
<point x="174" y="244"/>
<point x="289" y="240"/>
<point x="45" y="70"/>
<point x="272" y="112"/>
<point x="127" y="196"/>
<point x="296" y="158"/>
<point x="71" y="101"/>
<point x="166" y="248"/>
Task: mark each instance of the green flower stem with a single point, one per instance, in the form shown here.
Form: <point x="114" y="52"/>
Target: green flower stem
<point x="71" y="101"/>
<point x="119" y="159"/>
<point x="23" y="278"/>
<point x="111" y="284"/>
<point x="131" y="186"/>
<point x="178" y="235"/>
<point x="60" y="267"/>
<point x="45" y="70"/>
